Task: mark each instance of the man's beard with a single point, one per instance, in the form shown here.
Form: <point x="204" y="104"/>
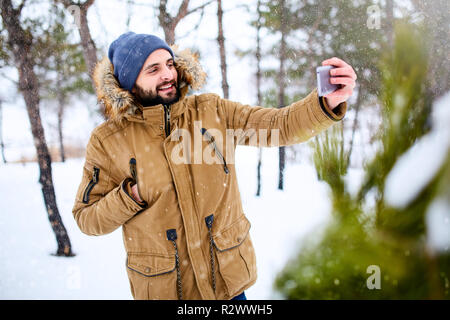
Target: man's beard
<point x="150" y="98"/>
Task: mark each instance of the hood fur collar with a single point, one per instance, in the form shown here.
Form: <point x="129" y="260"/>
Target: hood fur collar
<point x="118" y="102"/>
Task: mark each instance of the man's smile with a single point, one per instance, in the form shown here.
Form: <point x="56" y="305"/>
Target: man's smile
<point x="166" y="88"/>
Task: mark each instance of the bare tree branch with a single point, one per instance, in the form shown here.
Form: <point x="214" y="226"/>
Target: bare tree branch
<point x="203" y="6"/>
<point x="7" y="77"/>
<point x="169" y="23"/>
<point x="83" y="5"/>
<point x="182" y="11"/>
<point x="19" y="9"/>
<point x="87" y="4"/>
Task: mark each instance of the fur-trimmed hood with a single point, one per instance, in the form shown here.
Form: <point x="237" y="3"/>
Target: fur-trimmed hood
<point x="118" y="102"/>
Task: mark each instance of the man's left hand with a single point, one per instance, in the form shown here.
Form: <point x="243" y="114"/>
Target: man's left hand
<point x="343" y="75"/>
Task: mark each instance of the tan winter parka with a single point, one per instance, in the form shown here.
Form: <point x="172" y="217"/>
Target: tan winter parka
<point x="189" y="238"/>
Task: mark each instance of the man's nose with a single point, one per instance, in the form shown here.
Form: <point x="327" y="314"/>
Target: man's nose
<point x="166" y="74"/>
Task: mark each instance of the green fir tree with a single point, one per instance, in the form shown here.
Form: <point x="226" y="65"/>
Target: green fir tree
<point x="378" y="251"/>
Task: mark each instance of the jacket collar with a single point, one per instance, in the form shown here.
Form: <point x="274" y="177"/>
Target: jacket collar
<point x="155" y="113"/>
<point x="119" y="104"/>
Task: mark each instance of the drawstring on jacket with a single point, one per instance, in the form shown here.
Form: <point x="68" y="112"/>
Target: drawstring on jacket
<point x="209" y="221"/>
<point x="172" y="236"/>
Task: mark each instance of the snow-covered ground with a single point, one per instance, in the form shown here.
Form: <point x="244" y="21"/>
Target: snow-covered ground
<point x="280" y="220"/>
<point x="29" y="270"/>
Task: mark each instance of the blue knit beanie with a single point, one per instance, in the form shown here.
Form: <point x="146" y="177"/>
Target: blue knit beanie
<point x="128" y="54"/>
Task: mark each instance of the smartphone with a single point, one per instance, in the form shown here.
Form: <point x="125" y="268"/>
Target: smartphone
<point x="324" y="86"/>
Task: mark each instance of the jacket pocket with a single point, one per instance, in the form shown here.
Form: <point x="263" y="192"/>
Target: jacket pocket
<point x="151" y="274"/>
<point x="151" y="265"/>
<point x="235" y="256"/>
<point x="91" y="184"/>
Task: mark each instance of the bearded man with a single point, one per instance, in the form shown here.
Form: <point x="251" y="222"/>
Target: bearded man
<point x="184" y="228"/>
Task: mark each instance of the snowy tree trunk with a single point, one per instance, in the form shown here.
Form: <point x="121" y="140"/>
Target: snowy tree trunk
<point x="60" y="127"/>
<point x="281" y="84"/>
<point x="88" y="44"/>
<point x="61" y="103"/>
<point x="21" y="43"/>
<point x="221" y="41"/>
<point x="258" y="89"/>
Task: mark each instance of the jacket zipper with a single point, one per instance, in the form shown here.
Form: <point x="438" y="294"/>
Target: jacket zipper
<point x="167" y="119"/>
<point x="91" y="185"/>
<point x="218" y="153"/>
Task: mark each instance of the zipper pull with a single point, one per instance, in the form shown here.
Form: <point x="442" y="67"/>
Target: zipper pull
<point x="133" y="169"/>
<point x="171" y="234"/>
<point x="95" y="175"/>
<point x="209" y="221"/>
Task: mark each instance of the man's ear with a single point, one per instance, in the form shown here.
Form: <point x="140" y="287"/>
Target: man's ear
<point x="133" y="90"/>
